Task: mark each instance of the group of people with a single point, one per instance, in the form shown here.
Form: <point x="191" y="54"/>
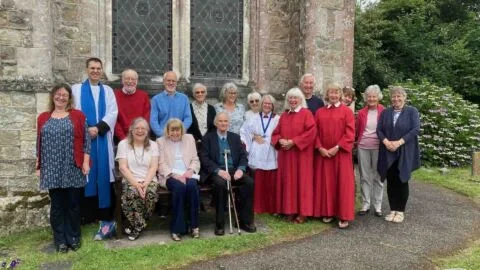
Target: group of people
<point x="298" y="164"/>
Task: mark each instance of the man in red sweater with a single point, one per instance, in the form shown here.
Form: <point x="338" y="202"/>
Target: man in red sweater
<point x="131" y="102"/>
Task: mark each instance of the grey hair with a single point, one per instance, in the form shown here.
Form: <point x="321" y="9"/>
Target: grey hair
<point x="272" y="99"/>
<point x="373" y="89"/>
<point x="129" y="70"/>
<point x="136" y="121"/>
<point x="333" y="86"/>
<point x="254" y="95"/>
<point x="225" y="88"/>
<point x="398" y="89"/>
<point x="164" y="74"/>
<point x="295" y="92"/>
<point x="307" y="75"/>
<point x="220" y="114"/>
<point x="198" y="86"/>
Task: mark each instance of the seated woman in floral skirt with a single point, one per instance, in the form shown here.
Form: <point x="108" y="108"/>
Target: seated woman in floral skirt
<point x="137" y="156"/>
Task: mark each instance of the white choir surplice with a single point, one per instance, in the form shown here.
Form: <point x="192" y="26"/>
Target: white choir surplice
<point x="260" y="156"/>
<point x="110" y="117"/>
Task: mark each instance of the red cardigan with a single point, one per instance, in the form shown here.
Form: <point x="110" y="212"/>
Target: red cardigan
<point x="78" y="120"/>
<point x="361" y="122"/>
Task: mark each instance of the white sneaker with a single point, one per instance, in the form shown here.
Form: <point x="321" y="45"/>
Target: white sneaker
<point x="390" y="216"/>
<point x="399" y="217"/>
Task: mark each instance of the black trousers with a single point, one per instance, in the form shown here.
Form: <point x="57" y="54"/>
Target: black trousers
<point x="65" y="215"/>
<point x="397" y="191"/>
<point x="90" y="211"/>
<point x="245" y="192"/>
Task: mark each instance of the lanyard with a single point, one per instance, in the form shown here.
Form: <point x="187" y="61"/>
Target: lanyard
<point x="268" y="124"/>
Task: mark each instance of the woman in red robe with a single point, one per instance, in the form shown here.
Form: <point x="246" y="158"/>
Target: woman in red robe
<point x="334" y="183"/>
<point x="294" y="138"/>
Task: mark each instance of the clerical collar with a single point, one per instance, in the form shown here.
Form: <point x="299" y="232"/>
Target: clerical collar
<point x="336" y="105"/>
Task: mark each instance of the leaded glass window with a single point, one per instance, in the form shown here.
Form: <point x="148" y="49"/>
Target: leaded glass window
<point x="142" y="35"/>
<point x="216" y="47"/>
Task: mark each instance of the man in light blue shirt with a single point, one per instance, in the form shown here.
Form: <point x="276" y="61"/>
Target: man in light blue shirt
<point x="169" y="104"/>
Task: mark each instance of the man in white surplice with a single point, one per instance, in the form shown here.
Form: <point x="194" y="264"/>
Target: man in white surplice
<point x="97" y="101"/>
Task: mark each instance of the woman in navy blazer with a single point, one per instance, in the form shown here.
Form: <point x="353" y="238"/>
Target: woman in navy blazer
<point x="399" y="154"/>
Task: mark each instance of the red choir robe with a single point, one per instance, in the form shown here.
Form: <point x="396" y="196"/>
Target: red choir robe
<point x="334" y="184"/>
<point x="294" y="190"/>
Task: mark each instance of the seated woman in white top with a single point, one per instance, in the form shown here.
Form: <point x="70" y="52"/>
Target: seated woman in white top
<point x="137" y="156"/>
<point x="178" y="169"/>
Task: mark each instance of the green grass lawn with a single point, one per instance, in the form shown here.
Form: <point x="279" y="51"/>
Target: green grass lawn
<point x="28" y="247"/>
<point x="461" y="181"/>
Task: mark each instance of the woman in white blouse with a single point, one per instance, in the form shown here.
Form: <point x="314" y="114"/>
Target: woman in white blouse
<point x="178" y="170"/>
<point x="137" y="157"/>
<point x="262" y="156"/>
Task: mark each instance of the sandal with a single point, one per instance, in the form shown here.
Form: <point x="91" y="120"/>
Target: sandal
<point x="399" y="217"/>
<point x="390" y="216"/>
<point x="327" y="219"/>
<point x="343" y="224"/>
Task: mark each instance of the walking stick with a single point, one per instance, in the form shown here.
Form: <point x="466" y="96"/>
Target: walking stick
<point x="228" y="190"/>
<point x="231" y="198"/>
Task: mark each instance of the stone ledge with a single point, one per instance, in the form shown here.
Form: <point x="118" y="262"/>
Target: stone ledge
<point x="20" y="84"/>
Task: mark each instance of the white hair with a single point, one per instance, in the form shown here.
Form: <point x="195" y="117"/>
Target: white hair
<point x="373" y="89"/>
<point x="254" y="95"/>
<point x="198" y="86"/>
<point x="295" y="92"/>
<point x="307" y="75"/>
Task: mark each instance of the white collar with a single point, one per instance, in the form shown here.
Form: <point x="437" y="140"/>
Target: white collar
<point x="297" y="109"/>
<point x="336" y="105"/>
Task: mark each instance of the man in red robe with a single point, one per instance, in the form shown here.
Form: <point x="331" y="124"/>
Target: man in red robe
<point x="334" y="184"/>
<point x="294" y="139"/>
<point x="131" y="102"/>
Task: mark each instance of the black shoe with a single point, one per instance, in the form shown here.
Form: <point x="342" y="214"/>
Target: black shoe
<point x="219" y="231"/>
<point x="378" y="214"/>
<point x="363" y="212"/>
<point x="62" y="248"/>
<point x="250" y="228"/>
<point x="75" y="246"/>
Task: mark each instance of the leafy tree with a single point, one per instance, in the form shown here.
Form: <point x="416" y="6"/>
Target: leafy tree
<point x="437" y="40"/>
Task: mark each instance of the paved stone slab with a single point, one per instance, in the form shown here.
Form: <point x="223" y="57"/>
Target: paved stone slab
<point x="437" y="221"/>
<point x="159" y="232"/>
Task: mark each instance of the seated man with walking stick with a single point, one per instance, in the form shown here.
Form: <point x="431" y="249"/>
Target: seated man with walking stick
<point x="223" y="159"/>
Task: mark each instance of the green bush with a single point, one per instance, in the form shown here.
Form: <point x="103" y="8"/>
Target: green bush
<point x="450" y="125"/>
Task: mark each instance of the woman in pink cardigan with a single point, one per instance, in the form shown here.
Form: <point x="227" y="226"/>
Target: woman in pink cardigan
<point x="368" y="144"/>
<point x="178" y="170"/>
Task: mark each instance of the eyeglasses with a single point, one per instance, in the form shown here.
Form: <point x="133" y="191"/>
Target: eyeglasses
<point x="254" y="101"/>
<point x="62" y="95"/>
<point x="199" y="92"/>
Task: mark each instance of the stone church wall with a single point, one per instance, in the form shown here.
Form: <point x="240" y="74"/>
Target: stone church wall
<point x="43" y="42"/>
